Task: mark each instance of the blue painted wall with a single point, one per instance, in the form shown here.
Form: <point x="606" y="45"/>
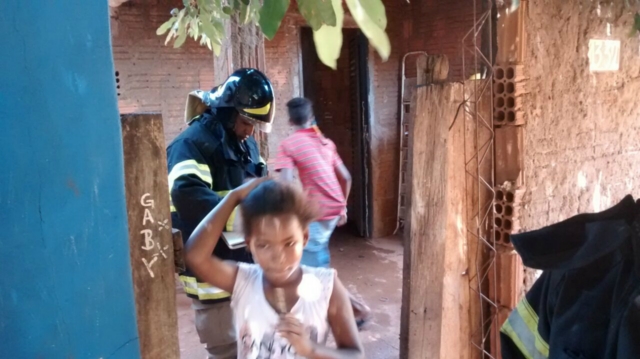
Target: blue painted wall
<point x="65" y="278"/>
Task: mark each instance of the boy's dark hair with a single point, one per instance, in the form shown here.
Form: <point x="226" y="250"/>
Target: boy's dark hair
<point x="275" y="198"/>
<point x="300" y="110"/>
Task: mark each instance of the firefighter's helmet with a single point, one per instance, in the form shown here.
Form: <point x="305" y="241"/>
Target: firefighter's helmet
<point x="248" y="91"/>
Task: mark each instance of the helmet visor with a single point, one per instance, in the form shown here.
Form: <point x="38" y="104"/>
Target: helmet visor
<point x="260" y="125"/>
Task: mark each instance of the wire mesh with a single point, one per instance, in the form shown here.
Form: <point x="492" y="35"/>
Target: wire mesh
<point x="479" y="172"/>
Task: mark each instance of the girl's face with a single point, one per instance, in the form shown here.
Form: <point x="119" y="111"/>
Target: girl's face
<point x="276" y="244"/>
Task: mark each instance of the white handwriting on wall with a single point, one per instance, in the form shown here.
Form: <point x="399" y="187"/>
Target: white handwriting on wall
<point x="151" y="244"/>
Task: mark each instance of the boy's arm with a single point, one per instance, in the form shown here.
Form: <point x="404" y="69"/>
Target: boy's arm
<point x="213" y="270"/>
<point x="345" y="180"/>
<point x="284" y="164"/>
<point x="342" y="173"/>
<point x="286" y="174"/>
<point x="344" y="177"/>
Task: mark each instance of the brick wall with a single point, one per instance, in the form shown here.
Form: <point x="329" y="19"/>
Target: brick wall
<point x="438" y="27"/>
<point x="153" y="77"/>
<point x="283" y="69"/>
<point x="582" y="137"/>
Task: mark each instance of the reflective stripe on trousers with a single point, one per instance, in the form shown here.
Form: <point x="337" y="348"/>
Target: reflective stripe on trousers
<point x="203" y="291"/>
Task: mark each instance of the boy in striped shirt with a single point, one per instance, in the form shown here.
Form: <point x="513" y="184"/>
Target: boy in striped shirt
<point x="326" y="179"/>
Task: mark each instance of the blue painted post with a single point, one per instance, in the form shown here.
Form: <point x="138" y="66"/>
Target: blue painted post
<point x="65" y="278"/>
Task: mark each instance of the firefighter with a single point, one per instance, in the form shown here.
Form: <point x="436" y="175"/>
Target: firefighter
<point x="215" y="154"/>
<point x="586" y="303"/>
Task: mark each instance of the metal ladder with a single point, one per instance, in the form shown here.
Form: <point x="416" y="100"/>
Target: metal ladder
<point x="405" y="108"/>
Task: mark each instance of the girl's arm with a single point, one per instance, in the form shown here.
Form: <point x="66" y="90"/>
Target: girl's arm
<point x="199" y="249"/>
<point x="343" y="326"/>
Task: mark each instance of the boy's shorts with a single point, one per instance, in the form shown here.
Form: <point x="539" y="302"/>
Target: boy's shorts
<point x="316" y="253"/>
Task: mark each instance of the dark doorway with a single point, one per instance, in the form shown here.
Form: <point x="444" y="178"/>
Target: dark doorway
<point x="341" y="104"/>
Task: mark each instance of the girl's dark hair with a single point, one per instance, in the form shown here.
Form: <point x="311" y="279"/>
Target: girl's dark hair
<point x="300" y="110"/>
<point x="276" y="198"/>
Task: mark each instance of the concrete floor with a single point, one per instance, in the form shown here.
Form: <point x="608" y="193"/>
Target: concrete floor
<point x="370" y="270"/>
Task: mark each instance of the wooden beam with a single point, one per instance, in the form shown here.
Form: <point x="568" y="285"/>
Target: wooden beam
<point x="455" y="301"/>
<point x="477" y="255"/>
<point x="150" y="235"/>
<point x="430" y="218"/>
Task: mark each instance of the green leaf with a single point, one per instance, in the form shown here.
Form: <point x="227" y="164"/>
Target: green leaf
<point x="170" y="35"/>
<point x="245" y="2"/>
<point x="328" y="39"/>
<point x="376" y="35"/>
<point x="207" y="28"/>
<point x="175" y="28"/>
<point x="166" y="26"/>
<point x="255" y="7"/>
<point x="244" y="13"/>
<point x="182" y="35"/>
<point x="219" y="26"/>
<point x="317" y="13"/>
<point x="208" y="6"/>
<point x="196" y="28"/>
<point x="216" y="48"/>
<point x="375" y="10"/>
<point x="227" y="10"/>
<point x="271" y="16"/>
<point x="182" y="31"/>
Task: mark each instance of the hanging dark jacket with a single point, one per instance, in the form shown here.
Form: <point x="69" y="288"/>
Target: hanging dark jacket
<point x="586" y="304"/>
<point x="205" y="162"/>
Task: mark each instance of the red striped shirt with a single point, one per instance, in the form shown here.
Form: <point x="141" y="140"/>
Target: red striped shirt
<point x="316" y="158"/>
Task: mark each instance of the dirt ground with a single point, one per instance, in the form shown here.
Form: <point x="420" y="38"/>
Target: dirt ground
<point x="372" y="270"/>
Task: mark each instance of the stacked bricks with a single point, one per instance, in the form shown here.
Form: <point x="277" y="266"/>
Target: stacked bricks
<point x="505" y="288"/>
<point x="508" y="87"/>
<point x="505" y="215"/>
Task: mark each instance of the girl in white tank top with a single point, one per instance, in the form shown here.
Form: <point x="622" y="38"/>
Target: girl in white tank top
<point x="282" y="310"/>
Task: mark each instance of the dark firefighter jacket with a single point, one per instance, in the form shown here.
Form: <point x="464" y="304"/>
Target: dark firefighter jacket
<point x="586" y="304"/>
<point x="205" y="162"/>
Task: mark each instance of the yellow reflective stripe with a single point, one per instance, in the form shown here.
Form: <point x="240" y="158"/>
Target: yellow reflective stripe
<point x="262" y="160"/>
<point x="190" y="167"/>
<point x="232" y="218"/>
<point x="258" y="111"/>
<point x="229" y="226"/>
<point x="173" y="209"/>
<point x="508" y="330"/>
<point x="522" y="328"/>
<point x="204" y="291"/>
<point x="530" y="318"/>
<point x="186" y="279"/>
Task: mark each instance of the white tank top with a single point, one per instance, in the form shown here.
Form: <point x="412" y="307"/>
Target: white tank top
<point x="256" y="320"/>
